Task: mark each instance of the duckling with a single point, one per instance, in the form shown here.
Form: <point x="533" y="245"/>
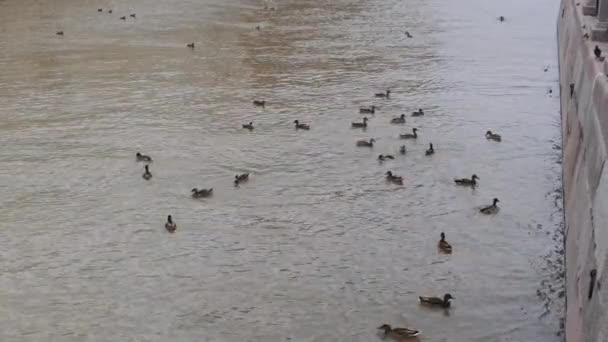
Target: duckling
<point x="436" y="301"/>
<point x="99" y="10"/>
<point x="60" y="33"/>
<point x="399" y="120"/>
<point x="248" y="126"/>
<point x="443" y="245"/>
<point x="196" y="193"/>
<point x="170" y="226"/>
<point x="501" y="18"/>
<point x="493" y="136"/>
<point x="143" y="157"/>
<point x="410" y="136"/>
<point x="420" y="112"/>
<point x="123" y="18"/>
<point x="491" y="209"/>
<point x="430" y="151"/>
<point x="384" y="157"/>
<point x="385" y="95"/>
<point x="241" y="178"/>
<point x="132" y="15"/>
<point x="394" y="179"/>
<point x="365" y="143"/>
<point x="408" y="34"/>
<point x="398" y="333"/>
<point x="259" y="103"/>
<point x="301" y="126"/>
<point x="370" y="110"/>
<point x="402" y="149"/>
<point x="147" y="175"/>
<point x="190" y="45"/>
<point x="597" y="52"/>
<point x="466" y="181"/>
<point x="359" y="124"/>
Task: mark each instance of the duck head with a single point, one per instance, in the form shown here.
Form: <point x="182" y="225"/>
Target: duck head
<point x="194" y="190"/>
<point x="430" y="146"/>
<point x="495" y="201"/>
<point x="402" y="116"/>
<point x="380" y="157"/>
<point x="447" y="297"/>
<point x="147" y="171"/>
<point x="389" y="173"/>
<point x="297" y="122"/>
<point x="236" y="181"/>
<point x="365" y="120"/>
<point x="385" y="327"/>
<point x="372" y="140"/>
<point x="414" y="130"/>
<point x="474" y="177"/>
<point x="169" y="220"/>
<point x="388" y="92"/>
<point x="373" y="107"/>
<point x="442" y="236"/>
<point x="138" y="154"/>
<point x="488" y="133"/>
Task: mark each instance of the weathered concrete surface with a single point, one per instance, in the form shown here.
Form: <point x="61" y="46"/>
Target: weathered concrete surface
<point x="585" y="134"/>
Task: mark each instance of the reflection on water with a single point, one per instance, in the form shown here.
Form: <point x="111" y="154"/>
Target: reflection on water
<point x="316" y="246"/>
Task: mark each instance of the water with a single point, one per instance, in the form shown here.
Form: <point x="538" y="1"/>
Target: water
<point x="316" y="246"/>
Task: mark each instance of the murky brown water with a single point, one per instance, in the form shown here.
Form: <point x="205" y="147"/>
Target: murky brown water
<point x="316" y="247"/>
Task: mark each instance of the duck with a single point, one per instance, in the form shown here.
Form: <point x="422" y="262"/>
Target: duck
<point x="410" y="136"/>
<point x="257" y="27"/>
<point x="59" y="33"/>
<point x="196" y="193"/>
<point x="170" y="226"/>
<point x="546" y="68"/>
<point x="100" y="10"/>
<point x="398" y="333"/>
<point x="241" y="178"/>
<point x="394" y="179"/>
<point x="430" y="151"/>
<point x="466" y="181"/>
<point x="123" y="18"/>
<point x="443" y="245"/>
<point x="147" y="175"/>
<point x="402" y="149"/>
<point x="597" y="52"/>
<point x="190" y="45"/>
<point x="399" y="120"/>
<point x="301" y="126"/>
<point x="365" y="143"/>
<point x="248" y="126"/>
<point x="436" y="301"/>
<point x="408" y="34"/>
<point x="385" y="95"/>
<point x="501" y="18"/>
<point x="384" y="157"/>
<point x="259" y="103"/>
<point x="359" y="124"/>
<point x="370" y="110"/>
<point x="110" y="11"/>
<point x="493" y="136"/>
<point x="420" y="112"/>
<point x="491" y="209"/>
<point x="132" y="15"/>
<point x="143" y="157"/>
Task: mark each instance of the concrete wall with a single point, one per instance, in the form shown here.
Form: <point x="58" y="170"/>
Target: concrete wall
<point x="585" y="134"/>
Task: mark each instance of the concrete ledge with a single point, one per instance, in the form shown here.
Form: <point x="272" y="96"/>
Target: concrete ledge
<point x="585" y="176"/>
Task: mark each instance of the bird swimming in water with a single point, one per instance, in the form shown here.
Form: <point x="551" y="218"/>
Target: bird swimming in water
<point x="190" y="45"/>
<point x="436" y="301"/>
<point x="407" y="34"/>
<point x="301" y="125"/>
<point x="196" y="193"/>
<point x="147" y="175"/>
<point x="257" y="27"/>
<point x="501" y="18"/>
<point x="443" y="245"/>
<point x="398" y="333"/>
<point x="399" y="120"/>
<point x="402" y="149"/>
<point x="420" y="112"/>
<point x="466" y="181"/>
<point x="598" y="53"/>
<point x="170" y="226"/>
<point x="123" y="18"/>
<point x="370" y="110"/>
<point x="60" y="33"/>
<point x="259" y="103"/>
<point x="99" y="10"/>
<point x="385" y="95"/>
<point x="493" y="136"/>
<point x="365" y="143"/>
<point x="132" y="15"/>
<point x="491" y="209"/>
<point x="430" y="151"/>
<point x="143" y="157"/>
<point x="248" y="126"/>
<point x="241" y="178"/>
<point x="384" y="157"/>
<point x="393" y="178"/>
<point x="410" y="136"/>
<point x="359" y="124"/>
<point x="110" y="11"/>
